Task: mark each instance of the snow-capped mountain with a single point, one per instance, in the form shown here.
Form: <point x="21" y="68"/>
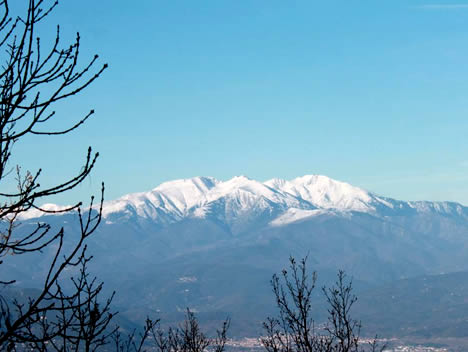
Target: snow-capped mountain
<point x="280" y="201"/>
<point x="197" y="197"/>
<point x="228" y="237"/>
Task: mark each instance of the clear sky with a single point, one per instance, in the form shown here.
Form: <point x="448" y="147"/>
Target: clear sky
<point x="374" y="93"/>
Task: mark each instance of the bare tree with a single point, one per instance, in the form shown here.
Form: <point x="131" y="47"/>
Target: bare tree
<point x="342" y="329"/>
<point x="134" y="342"/>
<point x="189" y="338"/>
<point x="294" y="330"/>
<point x="82" y="320"/>
<point x="186" y="337"/>
<point x="74" y="321"/>
<point x="32" y="81"/>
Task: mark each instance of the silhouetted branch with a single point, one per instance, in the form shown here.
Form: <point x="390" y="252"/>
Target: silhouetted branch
<point x="32" y="80"/>
<point x="294" y="330"/>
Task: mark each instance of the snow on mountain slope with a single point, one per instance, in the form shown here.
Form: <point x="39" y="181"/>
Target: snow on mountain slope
<point x="324" y="192"/>
<point x="294" y="215"/>
<point x="186" y="193"/>
<point x="246" y="191"/>
<point x="174" y="200"/>
<point x="167" y="203"/>
<point x="49" y="207"/>
<point x="284" y="201"/>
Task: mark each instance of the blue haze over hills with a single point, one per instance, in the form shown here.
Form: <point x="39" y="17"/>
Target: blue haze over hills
<point x="213" y="245"/>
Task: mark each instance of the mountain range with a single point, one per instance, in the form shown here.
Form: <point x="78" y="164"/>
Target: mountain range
<point x="213" y="245"/>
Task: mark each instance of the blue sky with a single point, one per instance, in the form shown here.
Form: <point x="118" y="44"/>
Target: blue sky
<point x="374" y="93"/>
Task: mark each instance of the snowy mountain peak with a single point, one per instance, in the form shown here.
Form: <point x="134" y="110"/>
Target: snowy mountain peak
<point x="325" y="192"/>
<point x="324" y="184"/>
<point x="242" y="198"/>
<point x="242" y="183"/>
<point x="240" y="178"/>
<point x="199" y="183"/>
<point x="194" y="197"/>
<point x="276" y="183"/>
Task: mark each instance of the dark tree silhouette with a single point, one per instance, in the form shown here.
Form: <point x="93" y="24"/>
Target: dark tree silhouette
<point x="32" y="81"/>
<point x="71" y="322"/>
<point x="57" y="319"/>
<point x="134" y="342"/>
<point x="187" y="337"/>
<point x="294" y="329"/>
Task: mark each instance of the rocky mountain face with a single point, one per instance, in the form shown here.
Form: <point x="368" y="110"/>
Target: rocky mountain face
<point x="213" y="245"/>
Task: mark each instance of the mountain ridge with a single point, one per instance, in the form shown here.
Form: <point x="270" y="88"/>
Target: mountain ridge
<point x="230" y="236"/>
<point x="288" y="200"/>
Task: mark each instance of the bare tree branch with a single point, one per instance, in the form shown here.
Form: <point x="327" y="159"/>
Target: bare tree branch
<point x="294" y="329"/>
<point x="32" y="80"/>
